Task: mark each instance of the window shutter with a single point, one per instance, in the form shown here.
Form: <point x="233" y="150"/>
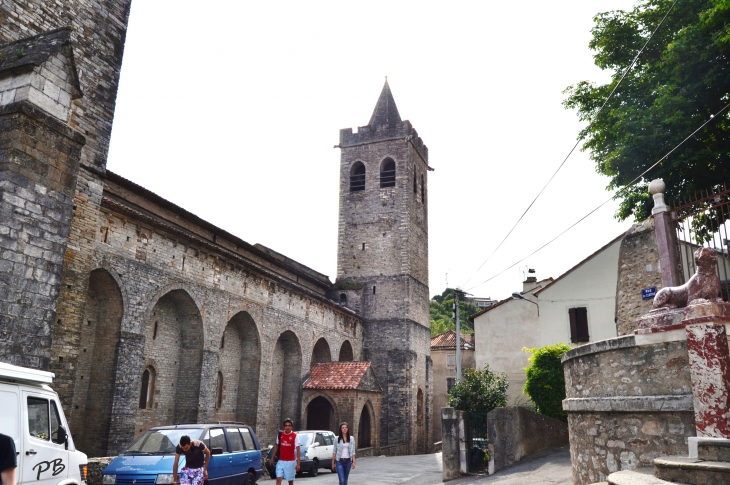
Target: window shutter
<point x="573" y="325"/>
<point x="581" y="315"/>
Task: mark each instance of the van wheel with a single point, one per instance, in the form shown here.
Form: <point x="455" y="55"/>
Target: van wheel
<point x="250" y="479"/>
<point x="315" y="469"/>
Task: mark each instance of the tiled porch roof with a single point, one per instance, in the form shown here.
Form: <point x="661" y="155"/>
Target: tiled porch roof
<point x="336" y="375"/>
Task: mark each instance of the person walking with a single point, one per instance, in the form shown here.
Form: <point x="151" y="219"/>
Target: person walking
<point x="288" y="448"/>
<point x="8" y="460"/>
<point x="197" y="457"/>
<point x="343" y="454"/>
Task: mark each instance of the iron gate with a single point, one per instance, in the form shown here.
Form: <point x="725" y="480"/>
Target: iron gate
<point x="703" y="220"/>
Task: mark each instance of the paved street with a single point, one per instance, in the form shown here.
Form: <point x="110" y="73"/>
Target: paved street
<point x="549" y="468"/>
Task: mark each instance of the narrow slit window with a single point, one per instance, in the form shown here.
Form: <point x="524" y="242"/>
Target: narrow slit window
<point x="387" y="173"/>
<point x="415" y="182"/>
<point x="373" y="290"/>
<point x="154" y="332"/>
<point x="423" y="190"/>
<point x="357" y="177"/>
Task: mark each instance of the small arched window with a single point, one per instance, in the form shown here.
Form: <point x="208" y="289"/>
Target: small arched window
<point x="423" y="190"/>
<point x="219" y="391"/>
<point x="357" y="177"/>
<point x="415" y="182"/>
<point x="387" y="173"/>
<point x="147" y="389"/>
<point x="343" y="299"/>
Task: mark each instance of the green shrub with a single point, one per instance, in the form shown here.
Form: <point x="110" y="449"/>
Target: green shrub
<point x="479" y="391"/>
<point x="545" y="384"/>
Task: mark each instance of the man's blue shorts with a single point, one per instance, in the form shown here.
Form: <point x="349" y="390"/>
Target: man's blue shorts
<point x="286" y="470"/>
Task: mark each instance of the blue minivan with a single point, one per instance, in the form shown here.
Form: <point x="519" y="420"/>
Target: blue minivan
<point x="235" y="460"/>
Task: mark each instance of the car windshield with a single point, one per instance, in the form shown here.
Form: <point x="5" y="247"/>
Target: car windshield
<point x="161" y="441"/>
<point x="305" y="439"/>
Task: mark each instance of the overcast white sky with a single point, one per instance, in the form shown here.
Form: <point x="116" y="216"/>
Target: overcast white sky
<point x="230" y="109"/>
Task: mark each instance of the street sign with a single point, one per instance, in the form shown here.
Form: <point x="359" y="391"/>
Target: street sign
<point x="648" y="293"/>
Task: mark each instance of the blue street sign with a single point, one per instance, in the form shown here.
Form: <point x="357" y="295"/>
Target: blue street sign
<point x="648" y="293"/>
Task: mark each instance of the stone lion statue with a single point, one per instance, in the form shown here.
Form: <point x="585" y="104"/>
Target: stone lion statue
<point x="702" y="287"/>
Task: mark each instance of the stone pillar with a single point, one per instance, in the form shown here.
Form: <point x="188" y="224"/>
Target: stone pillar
<point x="666" y="235"/>
<point x="709" y="363"/>
<point x="454" y="431"/>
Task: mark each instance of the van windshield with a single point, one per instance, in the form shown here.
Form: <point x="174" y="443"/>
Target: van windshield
<point x="161" y="441"/>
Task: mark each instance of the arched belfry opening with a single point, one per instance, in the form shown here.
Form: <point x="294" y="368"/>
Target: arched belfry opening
<point x="321" y="352"/>
<point x="387" y="173"/>
<point x="96" y="373"/>
<point x="357" y="177"/>
<point x="346" y="353"/>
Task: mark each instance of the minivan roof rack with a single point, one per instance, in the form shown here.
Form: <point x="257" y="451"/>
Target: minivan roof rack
<point x="10" y="371"/>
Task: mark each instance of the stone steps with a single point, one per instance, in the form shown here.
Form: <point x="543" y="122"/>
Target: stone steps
<point x="713" y="450"/>
<point x="627" y="477"/>
<point x="692" y="471"/>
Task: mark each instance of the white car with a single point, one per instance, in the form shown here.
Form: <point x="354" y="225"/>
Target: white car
<point x="32" y="416"/>
<point x="317" y="445"/>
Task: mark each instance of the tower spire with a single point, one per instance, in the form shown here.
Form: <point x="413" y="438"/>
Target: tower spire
<point x="386" y="112"/>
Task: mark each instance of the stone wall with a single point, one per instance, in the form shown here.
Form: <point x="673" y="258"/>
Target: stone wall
<point x="638" y="268"/>
<point x="518" y="432"/>
<point x="626" y="405"/>
<point x="223" y="330"/>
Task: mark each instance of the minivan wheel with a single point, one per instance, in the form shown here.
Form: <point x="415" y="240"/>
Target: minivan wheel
<point x="315" y="468"/>
<point x="250" y="479"/>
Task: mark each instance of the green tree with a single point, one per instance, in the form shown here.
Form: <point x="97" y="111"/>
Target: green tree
<point x="479" y="391"/>
<point x="678" y="82"/>
<point x="545" y="385"/>
<point x="442" y="306"/>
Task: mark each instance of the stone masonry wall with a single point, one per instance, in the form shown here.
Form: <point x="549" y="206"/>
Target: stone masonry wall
<point x="179" y="296"/>
<point x="39" y="158"/>
<point x="638" y="268"/>
<point x="626" y="405"/>
<point x="98" y="30"/>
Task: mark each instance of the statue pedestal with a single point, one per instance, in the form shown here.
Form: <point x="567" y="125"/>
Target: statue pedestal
<point x="703" y="326"/>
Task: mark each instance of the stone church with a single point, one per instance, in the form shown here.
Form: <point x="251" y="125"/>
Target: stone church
<point x="149" y="315"/>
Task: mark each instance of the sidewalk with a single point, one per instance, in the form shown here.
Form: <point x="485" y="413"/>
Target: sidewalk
<point x="551" y="467"/>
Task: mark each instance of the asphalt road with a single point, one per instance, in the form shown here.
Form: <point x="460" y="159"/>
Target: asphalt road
<point x="552" y="467"/>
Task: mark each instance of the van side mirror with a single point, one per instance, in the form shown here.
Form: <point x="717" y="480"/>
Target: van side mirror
<point x="61" y="436"/>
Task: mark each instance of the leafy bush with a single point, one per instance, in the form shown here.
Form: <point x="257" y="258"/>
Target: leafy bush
<point x="479" y="391"/>
<point x="545" y="384"/>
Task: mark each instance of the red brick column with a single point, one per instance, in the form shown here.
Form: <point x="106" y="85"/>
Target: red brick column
<point x="709" y="362"/>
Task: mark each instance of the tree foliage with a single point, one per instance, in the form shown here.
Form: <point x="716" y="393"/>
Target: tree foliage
<point x="545" y="385"/>
<point x="479" y="391"/>
<point x="679" y="81"/>
<point x="442" y="306"/>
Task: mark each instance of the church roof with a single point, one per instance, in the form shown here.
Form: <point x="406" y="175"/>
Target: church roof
<point x="386" y="112"/>
<point x="340" y="375"/>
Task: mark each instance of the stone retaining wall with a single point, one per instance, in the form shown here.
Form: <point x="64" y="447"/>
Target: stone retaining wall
<point x="626" y="405"/>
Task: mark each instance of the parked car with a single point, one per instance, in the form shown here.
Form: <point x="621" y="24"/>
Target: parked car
<point x="316" y="447"/>
<point x="235" y="450"/>
<point x="32" y="416"/>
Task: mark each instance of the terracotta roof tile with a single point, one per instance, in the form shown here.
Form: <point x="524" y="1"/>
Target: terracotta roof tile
<point x="447" y="340"/>
<point x="336" y="375"/>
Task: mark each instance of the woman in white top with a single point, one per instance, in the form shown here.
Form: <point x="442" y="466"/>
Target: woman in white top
<point x="343" y="455"/>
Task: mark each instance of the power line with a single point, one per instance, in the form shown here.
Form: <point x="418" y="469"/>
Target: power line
<point x="636" y="58"/>
<point x="712" y="118"/>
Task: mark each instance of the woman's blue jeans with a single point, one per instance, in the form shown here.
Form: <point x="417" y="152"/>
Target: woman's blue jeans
<point x="343" y="470"/>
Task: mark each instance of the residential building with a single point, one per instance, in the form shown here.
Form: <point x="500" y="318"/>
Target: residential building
<point x="443" y="354"/>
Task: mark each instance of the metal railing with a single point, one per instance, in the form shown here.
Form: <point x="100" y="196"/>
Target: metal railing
<point x="704" y="220"/>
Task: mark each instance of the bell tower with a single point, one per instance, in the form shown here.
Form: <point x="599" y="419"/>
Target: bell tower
<point x="382" y="266"/>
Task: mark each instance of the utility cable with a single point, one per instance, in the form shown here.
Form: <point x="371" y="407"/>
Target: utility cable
<point x="712" y="118"/>
<point x="636" y="58"/>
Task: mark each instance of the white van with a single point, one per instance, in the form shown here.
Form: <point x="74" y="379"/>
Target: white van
<point x="31" y="414"/>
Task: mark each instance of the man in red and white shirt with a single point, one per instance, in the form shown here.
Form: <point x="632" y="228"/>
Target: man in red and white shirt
<point x="288" y="448"/>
